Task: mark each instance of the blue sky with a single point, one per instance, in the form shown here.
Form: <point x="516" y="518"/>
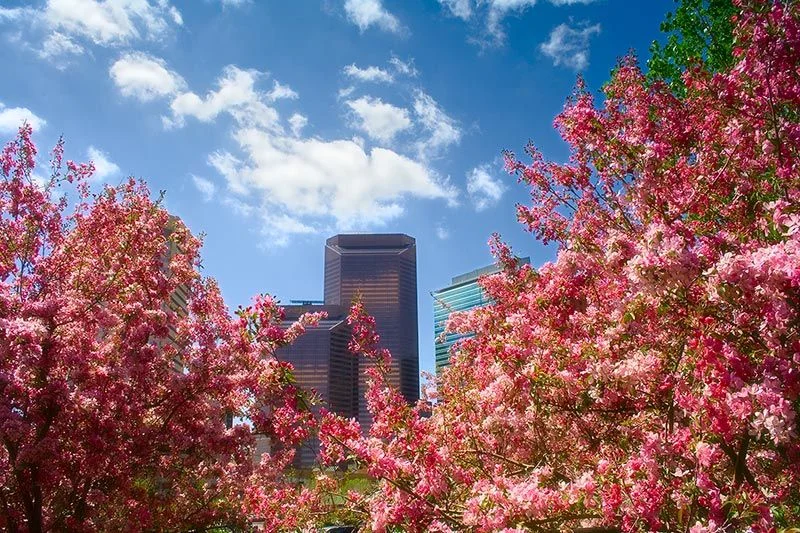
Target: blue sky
<point x="274" y="124"/>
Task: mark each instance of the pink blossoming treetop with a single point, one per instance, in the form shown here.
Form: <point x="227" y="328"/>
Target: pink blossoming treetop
<point x="648" y="378"/>
<point x="113" y="403"/>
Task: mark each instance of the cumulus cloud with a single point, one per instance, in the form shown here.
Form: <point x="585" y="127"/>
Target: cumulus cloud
<point x="177" y="18"/>
<point x="239" y="207"/>
<point x="406" y="68"/>
<point x="237" y="95"/>
<point x="112" y="22"/>
<point x="296" y="184"/>
<point x="279" y="228"/>
<point x="382" y="75"/>
<point x="569" y="47"/>
<point x="13" y="14"/>
<point x="103" y="167"/>
<point x="345" y="92"/>
<point x="379" y="120"/>
<point x="375" y="74"/>
<point x="233" y="3"/>
<point x="65" y="27"/>
<point x="484" y="190"/>
<point x="366" y="13"/>
<point x="205" y="187"/>
<point x="491" y="13"/>
<point x="144" y="77"/>
<point x="500" y="9"/>
<point x="58" y="45"/>
<point x="570" y="2"/>
<point x="442" y="130"/>
<point x="296" y="123"/>
<point x="280" y="92"/>
<point x="317" y="179"/>
<point x="11" y="118"/>
<point x="459" y="8"/>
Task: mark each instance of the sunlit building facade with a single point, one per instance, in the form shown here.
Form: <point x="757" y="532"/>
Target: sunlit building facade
<point x="463" y="293"/>
<point x="382" y="269"/>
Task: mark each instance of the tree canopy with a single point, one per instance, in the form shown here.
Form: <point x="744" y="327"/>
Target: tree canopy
<point x="698" y="31"/>
<point x="648" y="379"/>
<point x="119" y="363"/>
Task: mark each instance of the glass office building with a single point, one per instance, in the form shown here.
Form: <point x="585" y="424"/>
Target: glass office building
<point x="323" y="364"/>
<point x="382" y="269"/>
<point x="463" y="293"/>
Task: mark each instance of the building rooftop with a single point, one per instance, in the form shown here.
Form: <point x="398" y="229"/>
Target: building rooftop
<point x="483" y="271"/>
<point x="370" y="241"/>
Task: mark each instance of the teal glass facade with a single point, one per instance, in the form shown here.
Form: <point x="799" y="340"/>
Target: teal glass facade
<point x="463" y="294"/>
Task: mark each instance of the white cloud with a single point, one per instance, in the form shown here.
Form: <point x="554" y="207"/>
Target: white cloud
<point x="492" y="13"/>
<point x="498" y="10"/>
<point x="375" y="74"/>
<point x="569" y="47"/>
<point x="406" y="68"/>
<point x="366" y="13"/>
<point x="459" y="8"/>
<point x="236" y="94"/>
<point x="13" y="13"/>
<point x="314" y="179"/>
<point x="379" y="120"/>
<point x="234" y="3"/>
<point x="111" y="22"/>
<point x="206" y="187"/>
<point x="176" y="16"/>
<point x="442" y="232"/>
<point x="280" y="91"/>
<point x="103" y="166"/>
<point x="303" y="183"/>
<point x="144" y="77"/>
<point x="243" y="209"/>
<point x="442" y="130"/>
<point x="431" y="129"/>
<point x="11" y="118"/>
<point x="66" y="27"/>
<point x="297" y="122"/>
<point x="484" y="190"/>
<point x="59" y="45"/>
<point x="345" y="92"/>
<point x="280" y="227"/>
<point x="227" y="165"/>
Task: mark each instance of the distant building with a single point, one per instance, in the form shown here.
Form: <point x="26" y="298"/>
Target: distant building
<point x="382" y="269"/>
<point x="462" y="294"/>
<point x="323" y="364"/>
<point x="179" y="299"/>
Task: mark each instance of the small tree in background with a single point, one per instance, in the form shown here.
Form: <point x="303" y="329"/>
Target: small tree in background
<point x="699" y="31"/>
<point x="112" y="403"/>
<point x="648" y="379"/>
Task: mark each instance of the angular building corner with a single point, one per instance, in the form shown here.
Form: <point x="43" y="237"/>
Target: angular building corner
<point x="463" y="293"/>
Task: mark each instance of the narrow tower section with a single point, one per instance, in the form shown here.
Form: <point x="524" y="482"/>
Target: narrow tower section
<point x="382" y="269"/>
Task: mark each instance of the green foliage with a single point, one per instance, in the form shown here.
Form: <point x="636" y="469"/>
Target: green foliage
<point x="698" y="30"/>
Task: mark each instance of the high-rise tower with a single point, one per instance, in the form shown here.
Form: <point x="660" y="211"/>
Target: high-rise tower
<point x="464" y="293"/>
<point x="382" y="269"/>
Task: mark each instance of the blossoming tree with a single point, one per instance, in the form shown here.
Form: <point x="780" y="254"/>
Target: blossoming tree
<point x="112" y="401"/>
<point x="649" y="377"/>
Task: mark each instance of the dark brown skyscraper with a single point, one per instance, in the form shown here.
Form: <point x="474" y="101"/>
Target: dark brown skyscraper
<point x="323" y="363"/>
<point x="382" y="268"/>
